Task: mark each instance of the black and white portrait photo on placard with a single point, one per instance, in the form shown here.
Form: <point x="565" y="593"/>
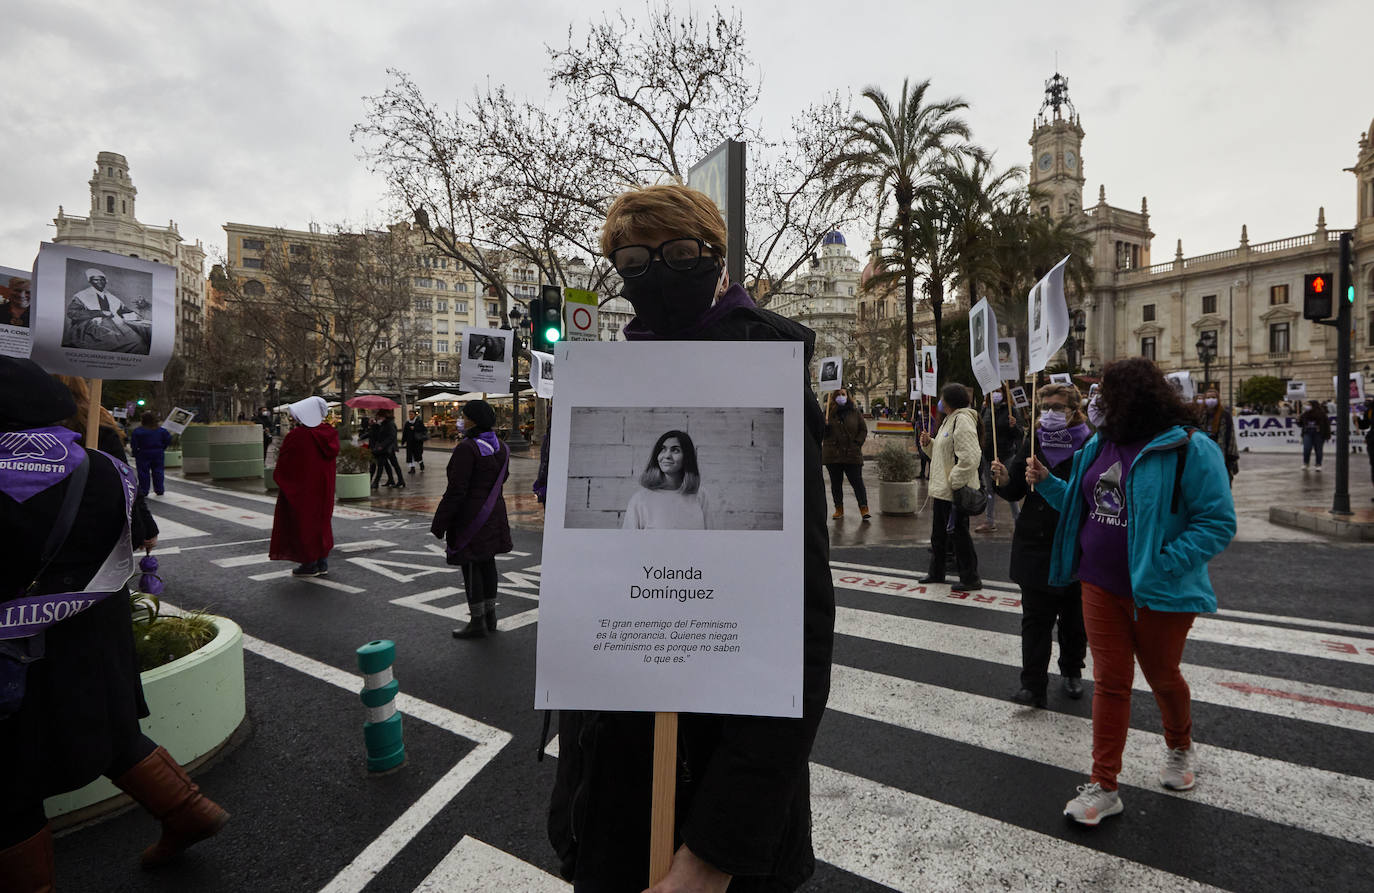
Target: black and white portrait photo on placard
<point x="98" y="318"/>
<point x="102" y="315"/>
<point x="1019" y="398"/>
<point x="541" y="373"/>
<point x="677" y="468"/>
<point x="832" y="371"/>
<point x="485" y="347"/>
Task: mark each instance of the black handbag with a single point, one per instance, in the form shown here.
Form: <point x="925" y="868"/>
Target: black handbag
<point x="971" y="501"/>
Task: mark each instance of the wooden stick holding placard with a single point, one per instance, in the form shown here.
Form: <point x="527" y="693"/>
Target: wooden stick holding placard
<point x="95" y="386"/>
<point x="1035" y="399"/>
<point x="664" y="797"/>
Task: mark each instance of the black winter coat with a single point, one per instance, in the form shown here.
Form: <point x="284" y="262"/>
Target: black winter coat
<point x="743" y="793"/>
<point x="83" y="699"/>
<point x="997" y="424"/>
<point x="471" y="478"/>
<point x="383" y="437"/>
<point x="1033" y="539"/>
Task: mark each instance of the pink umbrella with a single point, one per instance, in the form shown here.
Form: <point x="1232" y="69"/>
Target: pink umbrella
<point x="372" y="401"/>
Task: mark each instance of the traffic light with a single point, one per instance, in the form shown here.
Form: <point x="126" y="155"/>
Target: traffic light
<point x="536" y="314"/>
<point x="548" y="322"/>
<point x="1316" y="295"/>
<point x="142" y="402"/>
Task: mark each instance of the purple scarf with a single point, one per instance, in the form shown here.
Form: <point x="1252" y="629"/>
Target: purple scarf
<point x="734" y="298"/>
<point x="32" y="461"/>
<point x="1060" y="445"/>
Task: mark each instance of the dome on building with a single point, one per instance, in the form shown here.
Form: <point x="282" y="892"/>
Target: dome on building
<point x="834" y="237"/>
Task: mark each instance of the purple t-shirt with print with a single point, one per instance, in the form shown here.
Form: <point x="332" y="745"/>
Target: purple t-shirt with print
<point x="1105" y="561"/>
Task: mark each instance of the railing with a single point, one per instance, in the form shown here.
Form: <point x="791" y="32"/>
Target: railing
<point x="1209" y="258"/>
<point x="1166" y="267"/>
<point x="1303" y="241"/>
<point x="1284" y="244"/>
<point x="1280" y="354"/>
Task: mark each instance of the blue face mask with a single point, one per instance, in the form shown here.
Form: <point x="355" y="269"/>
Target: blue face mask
<point x="940" y="406"/>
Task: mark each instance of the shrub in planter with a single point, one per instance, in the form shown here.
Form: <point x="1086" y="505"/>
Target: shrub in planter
<point x="351" y="478"/>
<point x="160" y="640"/>
<point x="897" y="468"/>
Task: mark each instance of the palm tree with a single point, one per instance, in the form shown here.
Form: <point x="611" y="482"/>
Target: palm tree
<point x="975" y="193"/>
<point x="891" y="157"/>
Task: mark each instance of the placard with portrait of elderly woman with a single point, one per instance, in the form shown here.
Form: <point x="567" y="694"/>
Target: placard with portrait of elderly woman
<point x="102" y="315"/>
<point x="16" y="303"/>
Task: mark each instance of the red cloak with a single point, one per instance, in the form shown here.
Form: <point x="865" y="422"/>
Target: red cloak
<point x="301" y="529"/>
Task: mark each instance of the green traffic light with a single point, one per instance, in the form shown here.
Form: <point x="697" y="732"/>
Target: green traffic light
<point x="142" y="402"/>
<point x="1350" y="293"/>
<point x="551" y="334"/>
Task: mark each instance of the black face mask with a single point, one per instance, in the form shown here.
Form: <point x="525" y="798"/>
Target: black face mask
<point x="667" y="301"/>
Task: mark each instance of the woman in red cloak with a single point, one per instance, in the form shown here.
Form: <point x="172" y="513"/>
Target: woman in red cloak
<point x="301" y="528"/>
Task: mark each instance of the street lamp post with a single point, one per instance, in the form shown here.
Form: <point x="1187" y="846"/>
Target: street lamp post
<point x="1206" y="353"/>
<point x="1076" y="342"/>
<point x="343" y="372"/>
<point x="516" y="440"/>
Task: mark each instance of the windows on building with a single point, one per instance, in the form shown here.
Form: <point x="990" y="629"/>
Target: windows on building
<point x="1209" y="303"/>
<point x="1127" y="256"/>
<point x="254" y="289"/>
<point x="1278" y="294"/>
<point x="424" y="305"/>
<point x="253" y="245"/>
<point x="460" y="286"/>
<point x="252" y="263"/>
<point x="1147" y="347"/>
<point x="493" y="309"/>
<point x="1147" y="313"/>
<point x="441" y="326"/>
<point x="300" y="250"/>
<point x="109" y="203"/>
<point x="1278" y="338"/>
<point x="441" y="346"/>
<point x="1370" y="327"/>
<point x="441" y="305"/>
<point x="441" y="367"/>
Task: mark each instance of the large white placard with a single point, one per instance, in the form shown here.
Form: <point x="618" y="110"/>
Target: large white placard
<point x="102" y="315"/>
<point x="916" y="388"/>
<point x="1297" y="390"/>
<point x="1048" y="318"/>
<point x="930" y="371"/>
<point x="16" y="309"/>
<point x="831" y="373"/>
<point x="486" y="360"/>
<point x="1356" y="387"/>
<point x="982" y="346"/>
<point x="657" y="599"/>
<point x="541" y="373"/>
<point x="1270" y="433"/>
<point x="1008" y="359"/>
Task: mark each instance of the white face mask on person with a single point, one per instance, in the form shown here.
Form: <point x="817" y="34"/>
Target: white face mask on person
<point x="1210" y="402"/>
<point x="841" y="400"/>
<point x="996" y="396"/>
<point x="1095" y="414"/>
<point x="1053" y="419"/>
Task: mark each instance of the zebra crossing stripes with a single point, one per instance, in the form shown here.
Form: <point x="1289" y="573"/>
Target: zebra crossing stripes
<point x="1208" y="684"/>
<point x="474" y="865"/>
<point x="170" y="531"/>
<point x="1275" y="791"/>
<point x="909" y="842"/>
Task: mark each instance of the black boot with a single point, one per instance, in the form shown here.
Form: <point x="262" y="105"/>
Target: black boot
<point x="476" y="627"/>
<point x="489" y="614"/>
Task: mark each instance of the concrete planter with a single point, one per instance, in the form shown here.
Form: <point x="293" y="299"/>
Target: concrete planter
<point x="195" y="449"/>
<point x="268" y="479"/>
<point x="195" y="704"/>
<point x="171" y="459"/>
<point x="353" y="486"/>
<point x="897" y="497"/>
<point x="235" y="451"/>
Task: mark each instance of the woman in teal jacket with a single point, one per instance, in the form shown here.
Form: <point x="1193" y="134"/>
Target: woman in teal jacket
<point x="1146" y="506"/>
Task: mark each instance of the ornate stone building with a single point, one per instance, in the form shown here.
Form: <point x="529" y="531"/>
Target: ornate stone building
<point x="823" y="296"/>
<point x="113" y="227"/>
<point x="1246" y="300"/>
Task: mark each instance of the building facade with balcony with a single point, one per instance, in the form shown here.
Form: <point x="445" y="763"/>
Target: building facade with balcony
<point x="112" y="226"/>
<point x="1245" y="302"/>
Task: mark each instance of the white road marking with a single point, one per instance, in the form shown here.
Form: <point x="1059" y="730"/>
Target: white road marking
<point x="1285" y="793"/>
<point x="385" y="568"/>
<point x="241" y="560"/>
<point x="1205" y="629"/>
<point x="232" y="514"/>
<point x="489" y="739"/>
<point x="1299" y="621"/>
<point x="1208" y="684"/>
<point x="363" y="545"/>
<point x="225" y="545"/>
<point x="346" y="512"/>
<point x="909" y="842"/>
<point x="515" y="621"/>
<point x="421" y="602"/>
<point x="167" y="529"/>
<point x="318" y="581"/>
<point x="474" y="865"/>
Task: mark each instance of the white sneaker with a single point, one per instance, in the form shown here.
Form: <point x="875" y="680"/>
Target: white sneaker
<point x="1093" y="804"/>
<point x="1177" y="774"/>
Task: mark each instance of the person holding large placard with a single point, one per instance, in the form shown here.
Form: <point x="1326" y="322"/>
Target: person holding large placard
<point x="1145" y="508"/>
<point x="742" y="782"/>
<point x="70" y="691"/>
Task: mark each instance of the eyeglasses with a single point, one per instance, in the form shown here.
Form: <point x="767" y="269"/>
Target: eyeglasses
<point x="1057" y="407"/>
<point x="680" y="255"/>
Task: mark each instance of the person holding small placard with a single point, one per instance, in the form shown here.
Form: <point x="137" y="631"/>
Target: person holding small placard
<point x="842" y="451"/>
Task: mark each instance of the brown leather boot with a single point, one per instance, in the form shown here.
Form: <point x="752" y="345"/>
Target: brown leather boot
<point x="164" y="789"/>
<point x="27" y="867"/>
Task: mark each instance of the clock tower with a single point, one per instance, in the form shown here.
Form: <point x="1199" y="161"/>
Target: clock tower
<point x="1056" y="168"/>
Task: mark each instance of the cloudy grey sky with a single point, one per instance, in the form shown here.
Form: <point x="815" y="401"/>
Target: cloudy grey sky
<point x="1222" y="112"/>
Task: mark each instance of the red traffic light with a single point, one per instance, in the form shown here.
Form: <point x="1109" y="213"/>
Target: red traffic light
<point x="1318" y="285"/>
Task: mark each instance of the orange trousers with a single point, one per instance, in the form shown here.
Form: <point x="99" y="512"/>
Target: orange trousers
<point x="1120" y="634"/>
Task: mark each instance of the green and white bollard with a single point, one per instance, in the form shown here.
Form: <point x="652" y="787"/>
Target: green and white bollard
<point x="382" y="731"/>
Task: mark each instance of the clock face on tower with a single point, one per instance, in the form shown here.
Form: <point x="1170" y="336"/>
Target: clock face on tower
<point x="1070" y="159"/>
<point x="1045" y="161"/>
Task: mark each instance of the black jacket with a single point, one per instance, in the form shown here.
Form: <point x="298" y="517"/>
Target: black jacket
<point x="1033" y="538"/>
<point x="997" y="424"/>
<point x="743" y="795"/>
<point x="383" y="437"/>
<point x="414" y="432"/>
